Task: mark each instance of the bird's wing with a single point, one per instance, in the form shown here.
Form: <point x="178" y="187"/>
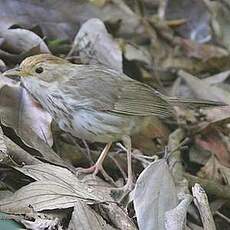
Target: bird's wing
<point x="107" y="90"/>
<point x="140" y="99"/>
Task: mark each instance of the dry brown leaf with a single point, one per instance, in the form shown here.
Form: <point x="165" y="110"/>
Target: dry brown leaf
<point x="55" y="188"/>
<point x="213" y="142"/>
<point x="203" y="90"/>
<point x="30" y="122"/>
<point x="220" y="22"/>
<point x="152" y="138"/>
<point x="96" y="46"/>
<point x="203" y="52"/>
<point x="85" y="218"/>
<point x="20" y="43"/>
<point x="22" y="113"/>
<point x="213" y="170"/>
<point x="3" y="148"/>
<point x="21" y="40"/>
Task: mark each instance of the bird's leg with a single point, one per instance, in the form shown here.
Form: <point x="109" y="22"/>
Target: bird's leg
<point x="129" y="184"/>
<point x="88" y="152"/>
<point x="98" y="165"/>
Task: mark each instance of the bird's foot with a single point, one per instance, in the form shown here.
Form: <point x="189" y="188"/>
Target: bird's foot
<point x="94" y="170"/>
<point x="120" y="194"/>
<point x="128" y="187"/>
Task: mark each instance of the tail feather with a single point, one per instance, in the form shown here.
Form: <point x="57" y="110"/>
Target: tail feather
<point x="193" y="103"/>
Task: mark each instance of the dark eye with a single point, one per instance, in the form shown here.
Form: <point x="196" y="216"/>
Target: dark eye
<point x="39" y="70"/>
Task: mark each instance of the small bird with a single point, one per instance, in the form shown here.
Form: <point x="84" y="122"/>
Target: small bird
<point x="93" y="102"/>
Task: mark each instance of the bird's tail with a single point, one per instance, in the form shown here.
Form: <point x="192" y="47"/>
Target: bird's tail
<point x="193" y="103"/>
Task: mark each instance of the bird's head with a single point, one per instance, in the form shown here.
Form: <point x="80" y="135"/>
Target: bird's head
<point x="38" y="66"/>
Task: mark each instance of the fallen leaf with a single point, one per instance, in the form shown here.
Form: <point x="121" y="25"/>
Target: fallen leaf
<point x="117" y="215"/>
<point x="203" y="90"/>
<point x="40" y="223"/>
<point x="196" y="14"/>
<point x="85" y="218"/>
<point x="176" y="218"/>
<point x="137" y="53"/>
<point x="96" y="46"/>
<point x="212" y="141"/>
<point x="203" y="52"/>
<point x="3" y="148"/>
<point x="22" y="113"/>
<point x="30" y="122"/>
<point x="214" y="170"/>
<point x="220" y="22"/>
<point x="54" y="173"/>
<point x="154" y="195"/>
<point x="55" y="188"/>
<point x="21" y="40"/>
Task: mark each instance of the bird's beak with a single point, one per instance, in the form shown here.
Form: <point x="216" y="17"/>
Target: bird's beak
<point x="16" y="72"/>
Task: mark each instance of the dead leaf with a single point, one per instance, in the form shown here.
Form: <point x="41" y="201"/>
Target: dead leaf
<point x="65" y="17"/>
<point x="96" y="46"/>
<point x="85" y="218"/>
<point x="55" y="188"/>
<point x="21" y="40"/>
<point x="214" y="170"/>
<point x="215" y="116"/>
<point x="3" y="148"/>
<point x="30" y="122"/>
<point x="137" y="53"/>
<point x="54" y="173"/>
<point x="217" y="78"/>
<point x="18" y="154"/>
<point x="20" y="43"/>
<point x="117" y="215"/>
<point x="203" y="90"/>
<point x="203" y="52"/>
<point x="154" y="195"/>
<point x="213" y="142"/>
<point x="152" y="138"/>
<point x="22" y="113"/>
<point x="40" y="223"/>
<point x="38" y="196"/>
<point x="176" y="218"/>
<point x="220" y="22"/>
<point x="196" y="14"/>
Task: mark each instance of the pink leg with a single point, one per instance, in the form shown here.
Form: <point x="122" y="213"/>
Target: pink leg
<point x="129" y="184"/>
<point x="98" y="165"/>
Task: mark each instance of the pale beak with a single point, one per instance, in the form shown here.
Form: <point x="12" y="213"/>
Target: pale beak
<point x="12" y="72"/>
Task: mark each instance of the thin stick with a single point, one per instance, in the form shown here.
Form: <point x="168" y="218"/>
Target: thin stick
<point x="201" y="202"/>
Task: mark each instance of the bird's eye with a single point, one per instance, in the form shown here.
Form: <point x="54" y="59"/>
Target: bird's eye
<point x="39" y="70"/>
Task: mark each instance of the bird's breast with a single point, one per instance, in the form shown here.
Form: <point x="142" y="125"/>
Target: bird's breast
<point x="102" y="127"/>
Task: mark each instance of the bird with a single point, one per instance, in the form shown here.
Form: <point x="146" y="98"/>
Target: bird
<point x="95" y="103"/>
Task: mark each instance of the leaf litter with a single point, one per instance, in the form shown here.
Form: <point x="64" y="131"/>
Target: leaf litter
<point x="181" y="51"/>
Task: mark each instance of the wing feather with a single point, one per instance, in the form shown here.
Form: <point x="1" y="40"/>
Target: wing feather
<point x="108" y="90"/>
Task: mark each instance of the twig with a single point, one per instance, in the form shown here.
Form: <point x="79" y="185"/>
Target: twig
<point x="118" y="166"/>
<point x="174" y="145"/>
<point x="222" y="216"/>
<point x="177" y="169"/>
<point x="211" y="187"/>
<point x="107" y="177"/>
<point x="201" y="202"/>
